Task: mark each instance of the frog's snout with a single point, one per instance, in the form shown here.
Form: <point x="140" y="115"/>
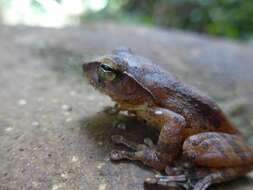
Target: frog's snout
<point x="90" y="67"/>
<point x="90" y="72"/>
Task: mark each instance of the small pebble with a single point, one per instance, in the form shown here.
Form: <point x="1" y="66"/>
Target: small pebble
<point x="64" y="175"/>
<point x="100" y="165"/>
<point x="35" y="184"/>
<point x="72" y="93"/>
<point x="66" y="107"/>
<point x="74" y="159"/>
<point x="8" y="129"/>
<point x="68" y="120"/>
<point x="100" y="143"/>
<point x="102" y="187"/>
<point x="22" y="102"/>
<point x="56" y="186"/>
<point x="35" y="123"/>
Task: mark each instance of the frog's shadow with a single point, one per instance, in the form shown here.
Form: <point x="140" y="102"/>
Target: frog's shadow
<point x="101" y="126"/>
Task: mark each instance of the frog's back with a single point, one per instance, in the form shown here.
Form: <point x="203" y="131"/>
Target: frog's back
<point x="199" y="110"/>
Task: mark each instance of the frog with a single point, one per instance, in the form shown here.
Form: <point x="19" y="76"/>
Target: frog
<point x="198" y="145"/>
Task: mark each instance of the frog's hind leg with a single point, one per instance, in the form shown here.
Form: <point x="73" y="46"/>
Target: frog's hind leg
<point x="217" y="150"/>
<point x="199" y="178"/>
<point x="214" y="176"/>
<point x="227" y="157"/>
<point x="168" y="181"/>
<point x="216" y="157"/>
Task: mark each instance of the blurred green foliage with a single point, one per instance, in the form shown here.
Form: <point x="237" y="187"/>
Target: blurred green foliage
<point x="230" y="18"/>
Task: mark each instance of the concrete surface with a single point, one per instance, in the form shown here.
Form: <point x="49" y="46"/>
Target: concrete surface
<point x="53" y="132"/>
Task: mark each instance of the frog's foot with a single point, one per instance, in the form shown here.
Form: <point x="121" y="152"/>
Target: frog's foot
<point x="198" y="178"/>
<point x="215" y="177"/>
<point x="118" y="139"/>
<point x="176" y="181"/>
<point x="177" y="177"/>
<point x="182" y="181"/>
<point x="204" y="183"/>
<point x="145" y="153"/>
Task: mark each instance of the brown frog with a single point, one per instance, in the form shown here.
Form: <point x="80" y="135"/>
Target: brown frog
<point x="197" y="146"/>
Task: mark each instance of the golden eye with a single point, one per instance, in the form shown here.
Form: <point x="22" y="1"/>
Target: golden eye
<point x="106" y="73"/>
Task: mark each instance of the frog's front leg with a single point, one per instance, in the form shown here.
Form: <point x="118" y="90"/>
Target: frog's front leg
<point x="145" y="153"/>
<point x="169" y="142"/>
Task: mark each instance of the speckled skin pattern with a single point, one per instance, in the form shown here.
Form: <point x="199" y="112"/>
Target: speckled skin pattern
<point x="196" y="138"/>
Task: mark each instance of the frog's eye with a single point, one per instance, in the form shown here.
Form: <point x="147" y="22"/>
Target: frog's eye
<point x="106" y="72"/>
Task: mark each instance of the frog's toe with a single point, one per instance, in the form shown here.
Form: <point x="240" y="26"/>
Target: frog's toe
<point x="116" y="155"/>
<point x="168" y="181"/>
<point x="118" y="139"/>
<point x="120" y="155"/>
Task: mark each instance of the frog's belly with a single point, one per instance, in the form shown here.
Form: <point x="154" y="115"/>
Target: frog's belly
<point x="149" y="119"/>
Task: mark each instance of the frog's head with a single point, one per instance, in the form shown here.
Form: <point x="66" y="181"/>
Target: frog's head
<point x="118" y="75"/>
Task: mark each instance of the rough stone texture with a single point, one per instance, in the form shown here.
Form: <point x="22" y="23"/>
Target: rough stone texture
<point x="53" y="133"/>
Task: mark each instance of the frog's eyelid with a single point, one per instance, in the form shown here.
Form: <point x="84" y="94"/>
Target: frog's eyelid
<point x="106" y="67"/>
<point x="145" y="88"/>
